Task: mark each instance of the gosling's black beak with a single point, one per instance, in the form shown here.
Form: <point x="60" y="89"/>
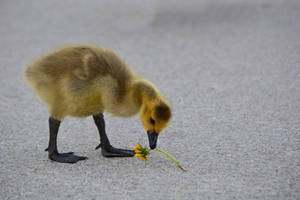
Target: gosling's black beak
<point x="152" y="136"/>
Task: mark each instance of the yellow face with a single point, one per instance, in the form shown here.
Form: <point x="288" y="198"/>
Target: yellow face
<point x="155" y="116"/>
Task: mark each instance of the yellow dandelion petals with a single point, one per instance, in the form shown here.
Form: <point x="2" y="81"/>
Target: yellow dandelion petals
<point x="141" y="152"/>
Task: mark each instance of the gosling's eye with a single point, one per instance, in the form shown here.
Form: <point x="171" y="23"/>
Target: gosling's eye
<point x="152" y="120"/>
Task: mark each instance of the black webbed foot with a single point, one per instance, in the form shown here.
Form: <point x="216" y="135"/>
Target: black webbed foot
<point x="66" y="154"/>
<point x="66" y="157"/>
<point x="62" y="153"/>
<point x="52" y="147"/>
<point x="106" y="149"/>
<point x="114" y="152"/>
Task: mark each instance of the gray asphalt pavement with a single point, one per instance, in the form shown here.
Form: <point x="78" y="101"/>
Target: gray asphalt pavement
<point x="231" y="70"/>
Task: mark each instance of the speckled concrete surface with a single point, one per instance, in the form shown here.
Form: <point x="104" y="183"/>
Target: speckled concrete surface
<point x="230" y="68"/>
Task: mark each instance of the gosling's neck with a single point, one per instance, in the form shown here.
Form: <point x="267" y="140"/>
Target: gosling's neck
<point x="143" y="91"/>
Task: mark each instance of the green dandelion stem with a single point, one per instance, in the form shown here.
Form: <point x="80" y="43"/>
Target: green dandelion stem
<point x="162" y="151"/>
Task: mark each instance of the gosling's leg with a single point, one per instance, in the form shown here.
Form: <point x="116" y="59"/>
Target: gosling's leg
<point x="52" y="147"/>
<point x="106" y="149"/>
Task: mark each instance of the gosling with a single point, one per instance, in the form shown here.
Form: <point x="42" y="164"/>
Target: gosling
<point x="85" y="80"/>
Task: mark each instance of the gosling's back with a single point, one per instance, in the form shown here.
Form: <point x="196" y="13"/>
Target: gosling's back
<point x="79" y="80"/>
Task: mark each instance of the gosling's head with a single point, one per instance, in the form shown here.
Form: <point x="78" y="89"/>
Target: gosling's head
<point x="155" y="114"/>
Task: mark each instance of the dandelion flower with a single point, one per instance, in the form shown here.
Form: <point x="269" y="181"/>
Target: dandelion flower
<point x="141" y="152"/>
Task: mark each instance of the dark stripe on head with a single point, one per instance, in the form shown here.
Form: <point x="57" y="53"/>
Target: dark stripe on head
<point x="163" y="111"/>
